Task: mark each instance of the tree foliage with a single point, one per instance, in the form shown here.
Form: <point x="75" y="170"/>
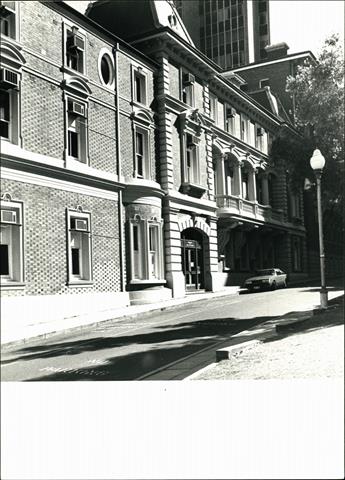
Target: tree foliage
<point x="318" y="92"/>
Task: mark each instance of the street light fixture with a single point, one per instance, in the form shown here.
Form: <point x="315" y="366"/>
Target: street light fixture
<point x="317" y="162"/>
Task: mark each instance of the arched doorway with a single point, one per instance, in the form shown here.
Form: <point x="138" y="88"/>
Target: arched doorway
<point x="193" y="265"/>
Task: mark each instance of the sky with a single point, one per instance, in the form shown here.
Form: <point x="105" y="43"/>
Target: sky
<point x="304" y="24"/>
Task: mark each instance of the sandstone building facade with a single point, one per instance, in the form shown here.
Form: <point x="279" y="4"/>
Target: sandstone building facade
<point x="132" y="169"/>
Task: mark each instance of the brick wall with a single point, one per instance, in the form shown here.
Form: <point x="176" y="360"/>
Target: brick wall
<point x="45" y="237"/>
<point x="42" y="117"/>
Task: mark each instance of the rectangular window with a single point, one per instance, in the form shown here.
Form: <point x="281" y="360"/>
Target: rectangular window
<point x="79" y="246"/>
<point x="192" y="160"/>
<point x="153" y="249"/>
<point x="75" y="50"/>
<point x="244" y="128"/>
<point x="142" y="156"/>
<point x="77" y="131"/>
<point x="187" y="88"/>
<point x="245" y="185"/>
<point x="230" y="119"/>
<point x="11" y="245"/>
<point x="8" y="19"/>
<point x="5" y="114"/>
<point x="139" y="88"/>
<point x="146" y="251"/>
<point x="214" y="107"/>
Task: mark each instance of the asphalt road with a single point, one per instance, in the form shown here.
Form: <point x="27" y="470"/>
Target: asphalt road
<point x="141" y="348"/>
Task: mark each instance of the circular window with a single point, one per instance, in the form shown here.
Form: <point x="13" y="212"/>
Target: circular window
<point x="106" y="69"/>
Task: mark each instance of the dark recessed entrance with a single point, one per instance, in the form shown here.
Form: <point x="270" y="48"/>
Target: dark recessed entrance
<point x="193" y="259"/>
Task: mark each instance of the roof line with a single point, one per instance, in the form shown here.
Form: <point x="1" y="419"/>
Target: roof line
<point x="58" y="4"/>
<point x="269" y="62"/>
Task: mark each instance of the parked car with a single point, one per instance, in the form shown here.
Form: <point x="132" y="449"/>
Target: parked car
<point x="269" y="278"/>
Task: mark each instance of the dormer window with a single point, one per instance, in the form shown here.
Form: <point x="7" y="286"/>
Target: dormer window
<point x="8" y="19"/>
<point x="75" y="50"/>
<point x="187" y="88"/>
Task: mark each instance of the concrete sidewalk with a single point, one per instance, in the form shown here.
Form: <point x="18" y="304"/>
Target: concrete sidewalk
<point x="13" y="336"/>
<point x="280" y="351"/>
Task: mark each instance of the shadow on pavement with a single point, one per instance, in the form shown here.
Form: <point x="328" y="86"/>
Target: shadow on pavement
<point x="164" y="345"/>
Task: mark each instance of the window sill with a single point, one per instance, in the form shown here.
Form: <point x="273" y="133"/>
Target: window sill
<point x="80" y="283"/>
<point x="146" y="282"/>
<point x="72" y="72"/>
<point x="8" y="285"/>
<point x="193" y="189"/>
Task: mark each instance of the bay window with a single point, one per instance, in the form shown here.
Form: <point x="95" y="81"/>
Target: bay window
<point x="146" y="245"/>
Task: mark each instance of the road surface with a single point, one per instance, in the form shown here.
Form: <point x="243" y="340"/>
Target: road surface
<point x="143" y="348"/>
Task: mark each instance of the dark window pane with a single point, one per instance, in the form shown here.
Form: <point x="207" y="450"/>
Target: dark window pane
<point x="4" y="105"/>
<point x="4" y="129"/>
<point x="135" y="238"/>
<point x="75" y="261"/>
<point x="73" y="144"/>
<point x="4" y="264"/>
<point x="138" y="89"/>
<point x="105" y="70"/>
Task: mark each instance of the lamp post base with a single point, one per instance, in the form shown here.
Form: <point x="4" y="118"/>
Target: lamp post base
<point x="323" y="298"/>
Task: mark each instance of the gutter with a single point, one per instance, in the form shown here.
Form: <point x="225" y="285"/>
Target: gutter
<point x="115" y="51"/>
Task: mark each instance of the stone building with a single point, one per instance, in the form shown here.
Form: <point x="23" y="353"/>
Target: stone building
<point x="225" y="206"/>
<point x="132" y="169"/>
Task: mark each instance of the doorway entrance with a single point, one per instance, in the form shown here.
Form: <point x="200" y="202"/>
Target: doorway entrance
<point x="193" y="259"/>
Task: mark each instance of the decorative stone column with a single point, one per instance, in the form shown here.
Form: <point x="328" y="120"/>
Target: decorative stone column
<point x="164" y="125"/>
<point x="213" y="278"/>
<point x="173" y="255"/>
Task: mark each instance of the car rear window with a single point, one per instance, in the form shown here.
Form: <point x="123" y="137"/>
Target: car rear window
<point x="262" y="273"/>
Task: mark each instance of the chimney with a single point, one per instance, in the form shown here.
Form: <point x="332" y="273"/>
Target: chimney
<point x="279" y="50"/>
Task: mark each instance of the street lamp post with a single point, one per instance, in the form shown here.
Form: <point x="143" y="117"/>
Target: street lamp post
<point x="317" y="162"/>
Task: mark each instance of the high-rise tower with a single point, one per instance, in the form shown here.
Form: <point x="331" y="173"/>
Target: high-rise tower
<point x="230" y="32"/>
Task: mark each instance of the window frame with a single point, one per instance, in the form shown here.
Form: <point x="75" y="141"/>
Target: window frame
<point x="140" y="264"/>
<point x="192" y="153"/>
<point x="83" y="145"/>
<point x="79" y="279"/>
<point x="141" y="73"/>
<point x="187" y="94"/>
<point x="15" y="23"/>
<point x="146" y="156"/>
<point x="105" y="52"/>
<point x="15" y="275"/>
<point x="68" y="27"/>
<point x="14" y="124"/>
<point x="213" y="101"/>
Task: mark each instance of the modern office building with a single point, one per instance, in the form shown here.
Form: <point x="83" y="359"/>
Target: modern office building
<point x="230" y="32"/>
